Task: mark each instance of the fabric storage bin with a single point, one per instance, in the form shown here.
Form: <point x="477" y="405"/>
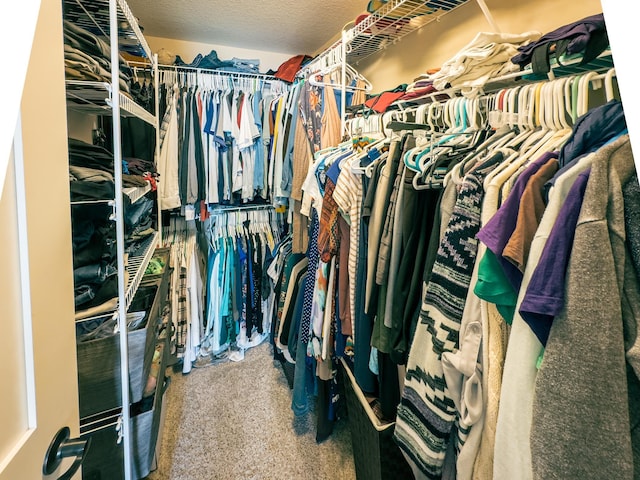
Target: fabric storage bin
<point x="376" y="455"/>
<point x="164" y="278"/>
<point x="105" y="457"/>
<point x="146" y="416"/>
<point x="162" y="254"/>
<point x="99" y="360"/>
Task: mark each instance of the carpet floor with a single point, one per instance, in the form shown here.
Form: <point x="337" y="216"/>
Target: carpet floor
<point x="233" y="421"/>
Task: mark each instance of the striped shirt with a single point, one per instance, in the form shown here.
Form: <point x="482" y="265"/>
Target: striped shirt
<point x="348" y="196"/>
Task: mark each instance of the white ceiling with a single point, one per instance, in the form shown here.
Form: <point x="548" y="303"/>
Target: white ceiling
<point x="286" y="26"/>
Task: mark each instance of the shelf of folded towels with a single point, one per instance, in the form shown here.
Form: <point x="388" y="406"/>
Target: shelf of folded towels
<point x="389" y="23"/>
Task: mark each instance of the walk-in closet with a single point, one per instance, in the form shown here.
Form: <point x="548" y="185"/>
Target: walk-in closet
<point x="385" y="239"/>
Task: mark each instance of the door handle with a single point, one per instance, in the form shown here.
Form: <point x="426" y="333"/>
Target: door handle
<point x="64" y="447"/>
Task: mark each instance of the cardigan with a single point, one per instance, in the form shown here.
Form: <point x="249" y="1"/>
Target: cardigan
<point x="581" y="423"/>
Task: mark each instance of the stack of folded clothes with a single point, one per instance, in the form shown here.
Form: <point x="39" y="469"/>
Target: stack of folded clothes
<point x="88" y="57"/>
<point x="211" y="61"/>
<point x="94" y="246"/>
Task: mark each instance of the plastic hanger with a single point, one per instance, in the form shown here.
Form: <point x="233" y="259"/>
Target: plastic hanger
<point x="584" y="87"/>
<point x="454" y="118"/>
<point x="563" y="104"/>
<point x="608" y="84"/>
<point x="352" y="73"/>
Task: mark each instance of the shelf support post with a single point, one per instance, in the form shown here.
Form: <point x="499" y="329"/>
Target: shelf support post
<point x="488" y="16"/>
<point x="343" y="81"/>
<point x="117" y="174"/>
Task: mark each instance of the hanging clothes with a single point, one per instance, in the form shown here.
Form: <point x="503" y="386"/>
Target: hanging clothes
<point x="223" y="151"/>
<point x="242" y="247"/>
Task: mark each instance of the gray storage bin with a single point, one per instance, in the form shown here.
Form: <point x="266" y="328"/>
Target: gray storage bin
<point x="105" y="457"/>
<point x="99" y="360"/>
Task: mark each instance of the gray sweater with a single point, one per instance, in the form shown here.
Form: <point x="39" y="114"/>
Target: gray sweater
<point x="584" y="402"/>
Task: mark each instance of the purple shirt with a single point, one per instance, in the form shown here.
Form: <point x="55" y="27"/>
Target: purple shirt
<point x="498" y="230"/>
<point x="544" y="298"/>
<point x="578" y="33"/>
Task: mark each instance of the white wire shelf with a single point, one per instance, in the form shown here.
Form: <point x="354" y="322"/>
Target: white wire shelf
<point x="136" y="193"/>
<point x="93" y="15"/>
<point x="390" y="23"/>
<point x="138" y="264"/>
<point x="97" y="98"/>
<point x="100" y="421"/>
<point x="570" y="67"/>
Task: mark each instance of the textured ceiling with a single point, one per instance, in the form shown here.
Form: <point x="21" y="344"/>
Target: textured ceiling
<point x="286" y="26"/>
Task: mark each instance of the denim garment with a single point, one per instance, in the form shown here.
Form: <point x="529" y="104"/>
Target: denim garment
<point x="593" y="130"/>
<point x="304" y="377"/>
<point x="287" y="164"/>
<point x="82" y="230"/>
<point x="135" y="213"/>
<point x="258" y="169"/>
<point x="247" y="65"/>
<point x="209" y="61"/>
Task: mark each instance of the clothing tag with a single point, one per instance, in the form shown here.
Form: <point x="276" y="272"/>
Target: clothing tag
<point x="189" y="212"/>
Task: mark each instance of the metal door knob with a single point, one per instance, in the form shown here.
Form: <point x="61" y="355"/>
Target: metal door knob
<point x="64" y="447"/>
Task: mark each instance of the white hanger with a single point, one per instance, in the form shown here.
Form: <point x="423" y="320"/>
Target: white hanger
<point x="608" y="84"/>
<point x="561" y="103"/>
<point x="583" y="91"/>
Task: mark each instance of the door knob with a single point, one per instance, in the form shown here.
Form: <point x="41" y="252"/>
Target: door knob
<point x="64" y="447"/>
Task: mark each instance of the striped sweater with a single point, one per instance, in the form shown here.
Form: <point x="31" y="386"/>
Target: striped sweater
<point x="427" y="412"/>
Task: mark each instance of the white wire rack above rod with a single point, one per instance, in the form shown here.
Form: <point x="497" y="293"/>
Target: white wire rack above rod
<point x="391" y="22"/>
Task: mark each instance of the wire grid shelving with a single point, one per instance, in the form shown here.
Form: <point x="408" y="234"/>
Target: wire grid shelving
<point x="394" y="20"/>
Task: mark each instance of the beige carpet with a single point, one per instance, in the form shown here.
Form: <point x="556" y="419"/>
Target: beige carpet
<point x="233" y="421"/>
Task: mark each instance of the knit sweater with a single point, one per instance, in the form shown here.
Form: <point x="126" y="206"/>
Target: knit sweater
<point x="581" y="422"/>
<point x="427" y="409"/>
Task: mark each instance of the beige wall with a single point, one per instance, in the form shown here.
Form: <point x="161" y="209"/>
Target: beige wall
<point x="48" y="212"/>
<point x="188" y="50"/>
<point x="438" y="41"/>
<point x="80" y="125"/>
<point x="46" y="172"/>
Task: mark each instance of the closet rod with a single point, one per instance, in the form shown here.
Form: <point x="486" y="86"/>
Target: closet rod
<point x="220" y="72"/>
<point x="452" y="93"/>
<point x="240" y="208"/>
